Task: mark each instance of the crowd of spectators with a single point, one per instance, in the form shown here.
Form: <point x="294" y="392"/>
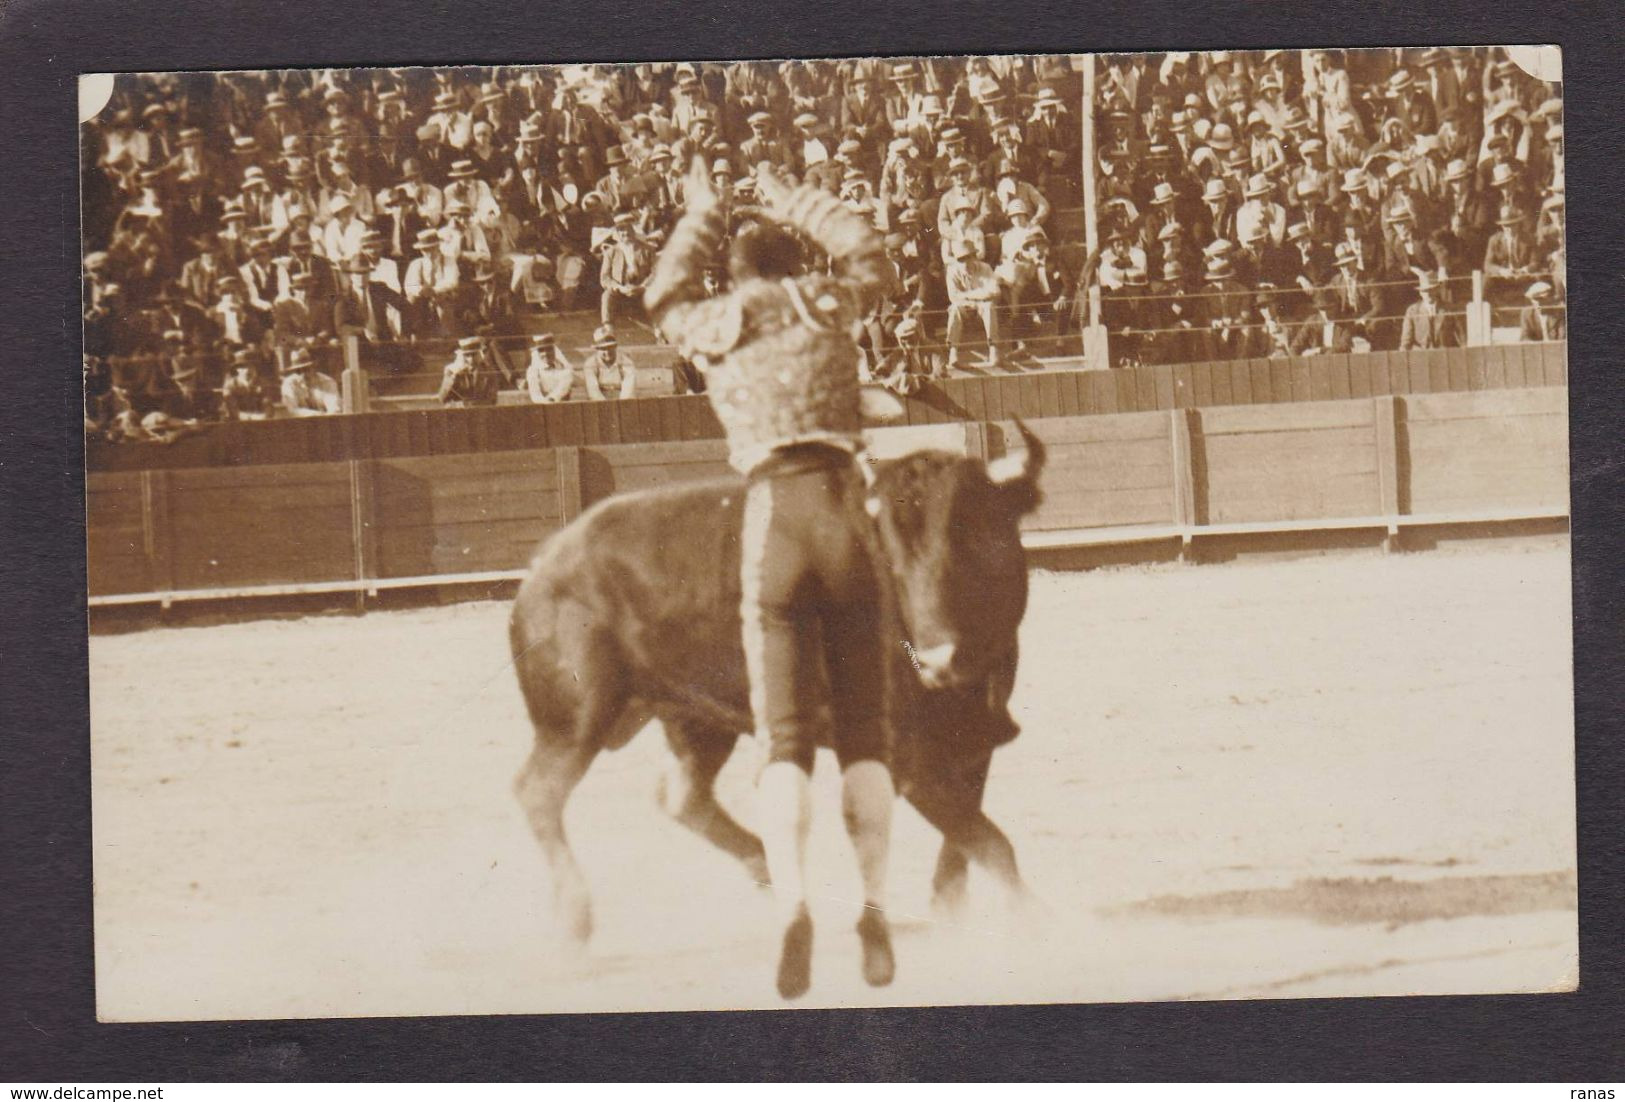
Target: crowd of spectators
<point x="239" y="226"/>
<point x="1290" y="202"/>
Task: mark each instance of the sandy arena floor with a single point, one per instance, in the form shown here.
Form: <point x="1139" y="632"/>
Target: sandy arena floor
<point x="1344" y="775"/>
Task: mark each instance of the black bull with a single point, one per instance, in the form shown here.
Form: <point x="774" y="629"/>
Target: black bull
<point x="631" y="613"/>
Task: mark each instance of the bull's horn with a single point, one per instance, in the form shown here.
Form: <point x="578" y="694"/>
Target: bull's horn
<point x="1019" y="468"/>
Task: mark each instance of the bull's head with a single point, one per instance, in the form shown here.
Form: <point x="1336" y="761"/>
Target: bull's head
<point x="949" y="526"/>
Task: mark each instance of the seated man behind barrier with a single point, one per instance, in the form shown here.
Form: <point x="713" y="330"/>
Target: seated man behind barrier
<point x="469" y="379"/>
<point x="609" y="373"/>
<point x="1427" y="324"/>
<point x="549" y="376"/>
<point x="1541" y="320"/>
<point x="307" y="392"/>
<point x="242" y="395"/>
<point x="973" y="291"/>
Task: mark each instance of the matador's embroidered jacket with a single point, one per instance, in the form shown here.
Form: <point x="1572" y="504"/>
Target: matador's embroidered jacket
<point x="780" y="357"/>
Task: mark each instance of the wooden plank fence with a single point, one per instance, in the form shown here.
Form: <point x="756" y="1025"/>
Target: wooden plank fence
<point x="1032" y="396"/>
<point x="363" y="525"/>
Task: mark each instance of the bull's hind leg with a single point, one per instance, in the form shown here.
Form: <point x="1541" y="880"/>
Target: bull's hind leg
<point x="543" y="787"/>
<point x="688" y="792"/>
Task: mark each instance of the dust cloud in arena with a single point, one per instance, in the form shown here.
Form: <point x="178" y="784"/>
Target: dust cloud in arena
<point x="1347" y="775"/>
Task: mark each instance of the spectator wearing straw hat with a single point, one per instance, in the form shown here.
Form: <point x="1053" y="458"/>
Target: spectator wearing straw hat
<point x="189" y="399"/>
<point x="620" y="188"/>
<point x="1217" y="217"/>
<point x="1460" y="198"/>
<point x="861" y="111"/>
<point x="766" y="144"/>
<point x="1540" y="320"/>
<point x="486" y="307"/>
<point x="1323" y="330"/>
<point x="1509" y="258"/>
<point x="1133" y="316"/>
<point x="469" y="379"/>
<point x="1055" y="139"/>
<point x="297" y="319"/>
<point x="908" y="364"/>
<point x="1261" y="260"/>
<point x="1316" y="261"/>
<point x="1359" y="301"/>
<point x="609" y="372"/>
<point x="624" y="266"/>
<point x="973" y="291"/>
<point x="429" y="285"/>
<point x="1404" y="251"/>
<point x="338" y="171"/>
<point x="549" y="374"/>
<point x="261" y="287"/>
<point x="1261" y="211"/>
<point x="235" y="325"/>
<point x="371" y="302"/>
<point x="255" y="198"/>
<point x="242" y="394"/>
<point x="341" y="240"/>
<point x="1410" y="101"/>
<point x="465" y="186"/>
<point x="1172" y="313"/>
<point x="294" y="199"/>
<point x="966" y="206"/>
<point x="231" y="239"/>
<point x="1224" y="304"/>
<point x="1427" y="324"/>
<point x="306" y="391"/>
<point x="276" y="124"/>
<point x="1271" y="323"/>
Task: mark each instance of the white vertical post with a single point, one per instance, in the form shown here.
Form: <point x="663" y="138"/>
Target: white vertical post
<point x="1096" y="353"/>
<point x="353" y="383"/>
<point x="1480" y="320"/>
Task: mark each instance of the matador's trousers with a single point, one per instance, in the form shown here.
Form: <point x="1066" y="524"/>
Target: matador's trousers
<point x="812" y="608"/>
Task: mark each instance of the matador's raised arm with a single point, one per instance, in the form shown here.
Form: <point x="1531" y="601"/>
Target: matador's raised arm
<point x="677" y="285"/>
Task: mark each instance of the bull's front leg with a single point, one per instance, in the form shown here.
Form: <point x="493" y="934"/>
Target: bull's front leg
<point x="952" y="803"/>
<point x="951" y="879"/>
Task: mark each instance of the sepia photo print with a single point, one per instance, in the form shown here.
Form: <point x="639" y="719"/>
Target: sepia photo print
<point x="717" y="535"/>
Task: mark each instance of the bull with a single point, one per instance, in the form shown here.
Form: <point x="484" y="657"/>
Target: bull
<point x="631" y="613"/>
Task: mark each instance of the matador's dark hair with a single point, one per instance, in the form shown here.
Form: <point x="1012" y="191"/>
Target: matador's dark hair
<point x="763" y="250"/>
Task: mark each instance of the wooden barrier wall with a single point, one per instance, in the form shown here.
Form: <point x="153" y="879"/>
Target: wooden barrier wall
<point x="365" y="524"/>
<point x="1034" y="395"/>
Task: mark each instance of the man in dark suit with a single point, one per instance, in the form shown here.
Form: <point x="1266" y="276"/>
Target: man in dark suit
<point x="624" y="270"/>
<point x="1540" y="320"/>
<point x="371" y="301"/>
<point x="298" y="323"/>
<point x="1509" y="257"/>
<point x="1427" y="324"/>
<point x="1323" y="330"/>
<point x="1358" y="302"/>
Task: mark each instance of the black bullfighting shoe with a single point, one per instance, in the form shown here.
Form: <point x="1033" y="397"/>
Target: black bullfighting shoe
<point x="795" y="956"/>
<point x="879" y="965"/>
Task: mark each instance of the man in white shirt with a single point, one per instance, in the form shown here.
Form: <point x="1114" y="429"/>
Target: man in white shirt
<point x="973" y="291"/>
<point x="1260" y="210"/>
<point x="550" y="375"/>
<point x="341" y="240"/>
<point x="306" y="392"/>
